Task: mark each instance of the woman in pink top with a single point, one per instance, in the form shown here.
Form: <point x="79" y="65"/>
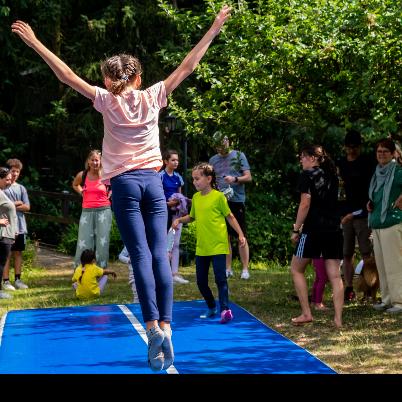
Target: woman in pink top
<point x="96" y="215"/>
<point x="131" y="159"/>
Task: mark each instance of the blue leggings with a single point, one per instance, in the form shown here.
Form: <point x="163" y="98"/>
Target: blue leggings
<point x="202" y="268"/>
<point x="139" y="206"/>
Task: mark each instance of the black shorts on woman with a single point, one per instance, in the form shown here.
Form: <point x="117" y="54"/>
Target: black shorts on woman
<point x="321" y="234"/>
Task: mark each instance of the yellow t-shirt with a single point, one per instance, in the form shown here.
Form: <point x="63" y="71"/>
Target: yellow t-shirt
<point x="88" y="287"/>
<point x="210" y="211"/>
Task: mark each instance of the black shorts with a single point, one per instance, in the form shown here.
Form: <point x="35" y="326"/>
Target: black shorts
<point x="19" y="244"/>
<point x="328" y="245"/>
<point x="238" y="209"/>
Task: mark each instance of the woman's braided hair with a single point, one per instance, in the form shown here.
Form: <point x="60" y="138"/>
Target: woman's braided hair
<point x="121" y="70"/>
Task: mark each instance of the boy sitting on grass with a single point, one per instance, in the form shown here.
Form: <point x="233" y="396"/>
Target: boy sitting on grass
<point x="85" y="278"/>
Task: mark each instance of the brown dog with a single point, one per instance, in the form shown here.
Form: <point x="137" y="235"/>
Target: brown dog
<point x="368" y="281"/>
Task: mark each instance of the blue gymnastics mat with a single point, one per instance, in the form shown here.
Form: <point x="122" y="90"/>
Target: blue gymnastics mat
<point x="101" y="339"/>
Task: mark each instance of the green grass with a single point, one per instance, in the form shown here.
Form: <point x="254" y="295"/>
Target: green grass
<point x="369" y="342"/>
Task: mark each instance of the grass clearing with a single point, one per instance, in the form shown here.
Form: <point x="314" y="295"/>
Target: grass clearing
<point x="369" y="343"/>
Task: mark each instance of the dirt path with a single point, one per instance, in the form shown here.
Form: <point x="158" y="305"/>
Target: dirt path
<point x="51" y="258"/>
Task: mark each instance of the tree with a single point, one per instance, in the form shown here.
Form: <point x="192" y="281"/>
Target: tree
<point x="43" y="122"/>
<point x="285" y="72"/>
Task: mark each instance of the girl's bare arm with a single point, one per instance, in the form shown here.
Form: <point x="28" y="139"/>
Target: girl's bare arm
<point x="235" y="225"/>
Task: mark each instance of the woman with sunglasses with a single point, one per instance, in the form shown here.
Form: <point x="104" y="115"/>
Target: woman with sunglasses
<point x="385" y="220"/>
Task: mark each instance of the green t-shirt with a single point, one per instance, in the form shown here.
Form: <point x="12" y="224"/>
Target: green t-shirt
<point x="210" y="212"/>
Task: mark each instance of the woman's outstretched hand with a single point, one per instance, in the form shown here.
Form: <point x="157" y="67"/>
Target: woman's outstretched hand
<point x="24" y="31"/>
<point x="221" y="18"/>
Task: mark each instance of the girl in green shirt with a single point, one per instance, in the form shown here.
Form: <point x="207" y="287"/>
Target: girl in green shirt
<point x="210" y="209"/>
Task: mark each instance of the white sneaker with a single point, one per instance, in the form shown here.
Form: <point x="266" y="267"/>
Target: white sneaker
<point x="394" y="310"/>
<point x="229" y="273"/>
<point x="135" y="298"/>
<point x="7" y="286"/>
<point x="4" y="295"/>
<point x="20" y="285"/>
<point x="179" y="279"/>
<point x="381" y="306"/>
<point x="245" y="275"/>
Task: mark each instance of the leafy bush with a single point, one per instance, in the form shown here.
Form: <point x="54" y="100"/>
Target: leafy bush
<point x="269" y="218"/>
<point x="29" y="256"/>
<point x="188" y="241"/>
<point x="68" y="240"/>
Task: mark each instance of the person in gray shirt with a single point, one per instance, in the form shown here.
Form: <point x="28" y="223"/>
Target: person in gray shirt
<point x="18" y="194"/>
<point x="232" y="172"/>
<point x="8" y="224"/>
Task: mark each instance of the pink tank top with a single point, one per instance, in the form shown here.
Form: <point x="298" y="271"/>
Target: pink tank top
<point x="94" y="194"/>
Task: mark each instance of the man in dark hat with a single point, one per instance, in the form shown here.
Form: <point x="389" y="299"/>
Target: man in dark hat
<point x="355" y="171"/>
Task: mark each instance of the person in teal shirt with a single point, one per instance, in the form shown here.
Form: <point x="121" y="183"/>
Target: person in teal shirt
<point x="385" y="220"/>
<point x="210" y="209"/>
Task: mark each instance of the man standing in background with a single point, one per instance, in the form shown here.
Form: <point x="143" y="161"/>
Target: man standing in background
<point x="232" y="172"/>
<point x="355" y="171"/>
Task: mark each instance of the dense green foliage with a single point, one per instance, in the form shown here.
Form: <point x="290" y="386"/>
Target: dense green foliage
<point x="286" y="72"/>
<point x="50" y="125"/>
<point x="280" y="73"/>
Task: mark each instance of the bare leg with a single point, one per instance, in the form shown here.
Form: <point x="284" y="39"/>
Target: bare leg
<point x="164" y="324"/>
<point x="102" y="283"/>
<point x="6" y="271"/>
<point x="244" y="256"/>
<point x="348" y="270"/>
<point x="334" y="276"/>
<point x="298" y="267"/>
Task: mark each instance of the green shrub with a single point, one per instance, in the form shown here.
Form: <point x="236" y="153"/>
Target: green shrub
<point x="188" y="241"/>
<point x="29" y="256"/>
<point x="269" y="220"/>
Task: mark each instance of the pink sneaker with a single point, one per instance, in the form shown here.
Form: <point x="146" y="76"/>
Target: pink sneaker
<point x="226" y="316"/>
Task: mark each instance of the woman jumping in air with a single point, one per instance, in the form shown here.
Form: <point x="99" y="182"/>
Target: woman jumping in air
<point x="131" y="159"/>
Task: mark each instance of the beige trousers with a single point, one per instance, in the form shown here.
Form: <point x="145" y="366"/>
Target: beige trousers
<point x="388" y="257"/>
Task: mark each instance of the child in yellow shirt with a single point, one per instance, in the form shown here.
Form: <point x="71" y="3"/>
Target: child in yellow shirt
<point x="85" y="278"/>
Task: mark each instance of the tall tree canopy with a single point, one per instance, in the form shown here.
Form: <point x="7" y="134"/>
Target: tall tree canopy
<point x="281" y="72"/>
